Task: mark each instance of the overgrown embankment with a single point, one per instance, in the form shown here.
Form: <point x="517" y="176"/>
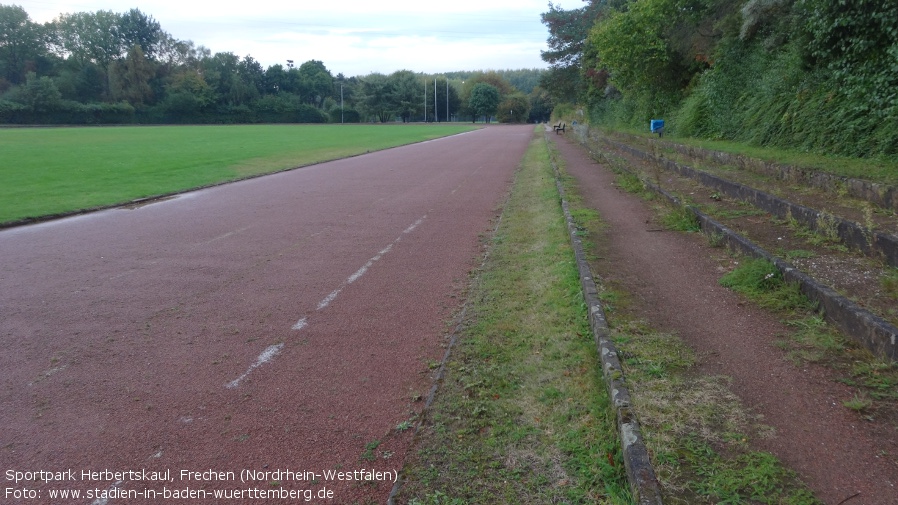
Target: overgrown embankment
<point x="813" y="75"/>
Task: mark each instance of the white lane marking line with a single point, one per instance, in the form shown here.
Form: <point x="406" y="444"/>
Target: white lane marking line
<point x="361" y="271"/>
<point x="465" y="181"/>
<point x="300" y="324"/>
<point x="104" y="501"/>
<point x="352" y="278"/>
<point x="412" y="227"/>
<point x="329" y="298"/>
<point x="270" y="352"/>
<point x="223" y="236"/>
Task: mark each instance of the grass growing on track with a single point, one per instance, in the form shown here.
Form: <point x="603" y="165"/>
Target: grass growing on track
<point x="762" y="282"/>
<point x="696" y="430"/>
<point x="46" y="171"/>
<point x="814" y="340"/>
<point x="522" y="415"/>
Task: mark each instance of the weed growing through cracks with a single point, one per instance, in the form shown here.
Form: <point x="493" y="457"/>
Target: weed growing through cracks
<point x="858" y="403"/>
<point x="681" y="219"/>
<point x="370" y="447"/>
<point x="762" y="282"/>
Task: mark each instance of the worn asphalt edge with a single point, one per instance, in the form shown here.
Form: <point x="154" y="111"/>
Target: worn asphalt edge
<point x="164" y="196"/>
<point x="873" y="332"/>
<point x="641" y="475"/>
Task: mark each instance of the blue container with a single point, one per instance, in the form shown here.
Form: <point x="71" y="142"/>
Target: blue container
<point x="656" y="125"/>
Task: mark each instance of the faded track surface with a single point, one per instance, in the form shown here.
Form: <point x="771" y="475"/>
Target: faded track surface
<point x="675" y="281"/>
<point x="280" y="323"/>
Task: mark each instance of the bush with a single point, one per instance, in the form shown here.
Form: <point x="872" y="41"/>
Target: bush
<point x="67" y="112"/>
<point x="345" y="116"/>
<point x="562" y="111"/>
<point x="12" y="112"/>
<point x="309" y="114"/>
<point x="287" y="108"/>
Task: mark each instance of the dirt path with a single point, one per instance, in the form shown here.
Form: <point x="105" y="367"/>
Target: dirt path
<point x="674" y="280"/>
<point x="284" y="323"/>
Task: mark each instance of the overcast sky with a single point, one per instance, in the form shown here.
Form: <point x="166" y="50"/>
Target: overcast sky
<point x="353" y="37"/>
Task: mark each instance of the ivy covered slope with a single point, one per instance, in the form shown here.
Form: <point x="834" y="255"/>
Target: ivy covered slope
<point x="817" y="75"/>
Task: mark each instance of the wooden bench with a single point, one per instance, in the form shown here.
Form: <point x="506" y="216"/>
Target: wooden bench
<point x="559" y="127"/>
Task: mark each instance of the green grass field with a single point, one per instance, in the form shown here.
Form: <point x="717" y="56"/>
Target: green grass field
<point x="46" y="171"/>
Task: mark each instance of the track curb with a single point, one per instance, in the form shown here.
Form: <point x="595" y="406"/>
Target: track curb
<point x="641" y="475"/>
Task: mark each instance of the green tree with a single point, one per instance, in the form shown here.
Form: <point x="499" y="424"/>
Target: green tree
<point x="631" y="44"/>
<point x="484" y="100"/>
<point x="376" y="102"/>
<point x="515" y="108"/>
<point x="315" y="82"/>
<point x="524" y="79"/>
<point x="173" y="53"/>
<point x="568" y="33"/>
<point x="346" y="88"/>
<point x="39" y="94"/>
<point x="187" y="96"/>
<point x="404" y="95"/>
<point x="651" y="50"/>
<point x="496" y="80"/>
<point x="217" y="71"/>
<point x="81" y="83"/>
<point x="90" y="37"/>
<point x="251" y="73"/>
<point x="21" y="43"/>
<point x="130" y="78"/>
<point x="136" y="28"/>
<point x="492" y="78"/>
<point x="276" y="79"/>
<point x="541" y="106"/>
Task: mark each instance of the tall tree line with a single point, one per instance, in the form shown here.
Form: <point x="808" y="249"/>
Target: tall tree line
<point x="107" y="67"/>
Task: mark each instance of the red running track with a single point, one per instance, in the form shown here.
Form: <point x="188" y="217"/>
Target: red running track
<point x="284" y="323"/>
